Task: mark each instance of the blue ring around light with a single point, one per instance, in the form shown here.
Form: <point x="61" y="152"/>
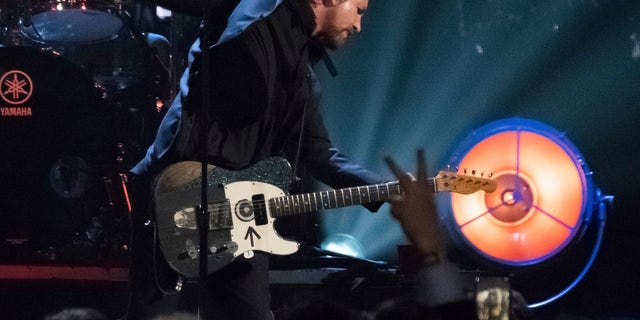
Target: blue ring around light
<point x="519" y="124"/>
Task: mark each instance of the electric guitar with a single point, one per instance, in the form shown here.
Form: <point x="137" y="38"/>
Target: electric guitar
<point x="243" y="206"/>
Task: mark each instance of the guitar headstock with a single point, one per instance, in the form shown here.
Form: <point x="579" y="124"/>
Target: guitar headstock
<point x="463" y="184"/>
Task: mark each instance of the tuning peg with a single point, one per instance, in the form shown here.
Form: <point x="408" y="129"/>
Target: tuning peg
<point x="490" y="174"/>
<point x="473" y="172"/>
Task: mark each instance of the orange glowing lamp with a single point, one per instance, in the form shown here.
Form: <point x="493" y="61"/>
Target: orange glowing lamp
<point x="543" y="198"/>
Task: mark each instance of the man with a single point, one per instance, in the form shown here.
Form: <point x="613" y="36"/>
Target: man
<point x="263" y="103"/>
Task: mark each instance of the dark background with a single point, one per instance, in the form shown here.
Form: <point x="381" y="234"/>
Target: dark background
<point x="427" y="73"/>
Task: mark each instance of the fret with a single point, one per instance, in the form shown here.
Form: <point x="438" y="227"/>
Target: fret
<point x="286" y="205"/>
<point x="355" y="196"/>
<point x="335" y="198"/>
<point x="275" y="209"/>
<point x="306" y="203"/>
<point x="283" y="202"/>
<point x="382" y="194"/>
<point x="298" y="204"/>
<point x="323" y="195"/>
<point x="282" y="207"/>
<point x="396" y="188"/>
<point x="329" y="200"/>
<point x="294" y="203"/>
<point x="360" y="195"/>
<point x="341" y="204"/>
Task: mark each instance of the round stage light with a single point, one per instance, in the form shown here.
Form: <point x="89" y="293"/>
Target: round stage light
<point x="544" y="196"/>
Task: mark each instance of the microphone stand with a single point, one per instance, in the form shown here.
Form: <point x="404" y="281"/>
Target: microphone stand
<point x="203" y="210"/>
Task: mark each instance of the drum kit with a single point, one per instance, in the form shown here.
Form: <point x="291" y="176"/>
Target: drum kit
<point x="81" y="91"/>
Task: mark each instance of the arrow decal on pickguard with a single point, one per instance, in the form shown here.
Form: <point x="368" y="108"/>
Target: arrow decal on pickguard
<point x="250" y="232"/>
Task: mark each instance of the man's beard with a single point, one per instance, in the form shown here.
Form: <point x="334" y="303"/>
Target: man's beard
<point x="330" y="40"/>
<point x="332" y="43"/>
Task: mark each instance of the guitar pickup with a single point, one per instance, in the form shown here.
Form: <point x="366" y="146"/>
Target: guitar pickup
<point x="259" y="209"/>
<point x="219" y="217"/>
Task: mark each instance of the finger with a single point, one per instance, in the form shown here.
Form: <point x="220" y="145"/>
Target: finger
<point x="395" y="197"/>
<point x="422" y="167"/>
<point x="396" y="170"/>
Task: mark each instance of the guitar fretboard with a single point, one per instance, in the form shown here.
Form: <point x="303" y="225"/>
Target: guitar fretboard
<point x="309" y="202"/>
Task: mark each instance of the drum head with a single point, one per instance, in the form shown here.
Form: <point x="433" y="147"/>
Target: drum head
<point x="56" y="141"/>
<point x="73" y="25"/>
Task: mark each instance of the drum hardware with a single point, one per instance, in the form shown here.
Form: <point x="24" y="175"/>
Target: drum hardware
<point x="61" y="202"/>
<point x="94" y="83"/>
<point x="12" y="16"/>
<point x="98" y="36"/>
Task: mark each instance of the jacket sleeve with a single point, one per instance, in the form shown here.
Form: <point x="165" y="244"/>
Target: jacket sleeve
<point x="324" y="161"/>
<point x="327" y="164"/>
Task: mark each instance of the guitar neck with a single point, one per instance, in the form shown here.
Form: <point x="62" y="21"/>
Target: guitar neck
<point x="331" y="199"/>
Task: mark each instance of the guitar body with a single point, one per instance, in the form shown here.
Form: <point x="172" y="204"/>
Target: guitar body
<point x="240" y="221"/>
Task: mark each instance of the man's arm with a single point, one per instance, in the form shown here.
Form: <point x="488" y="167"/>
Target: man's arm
<point x="415" y="209"/>
<point x="441" y="282"/>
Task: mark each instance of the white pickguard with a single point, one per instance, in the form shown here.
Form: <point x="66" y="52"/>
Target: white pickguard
<point x="265" y="238"/>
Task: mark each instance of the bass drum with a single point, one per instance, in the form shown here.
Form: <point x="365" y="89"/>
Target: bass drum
<point x="58" y="162"/>
<point x="97" y="36"/>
